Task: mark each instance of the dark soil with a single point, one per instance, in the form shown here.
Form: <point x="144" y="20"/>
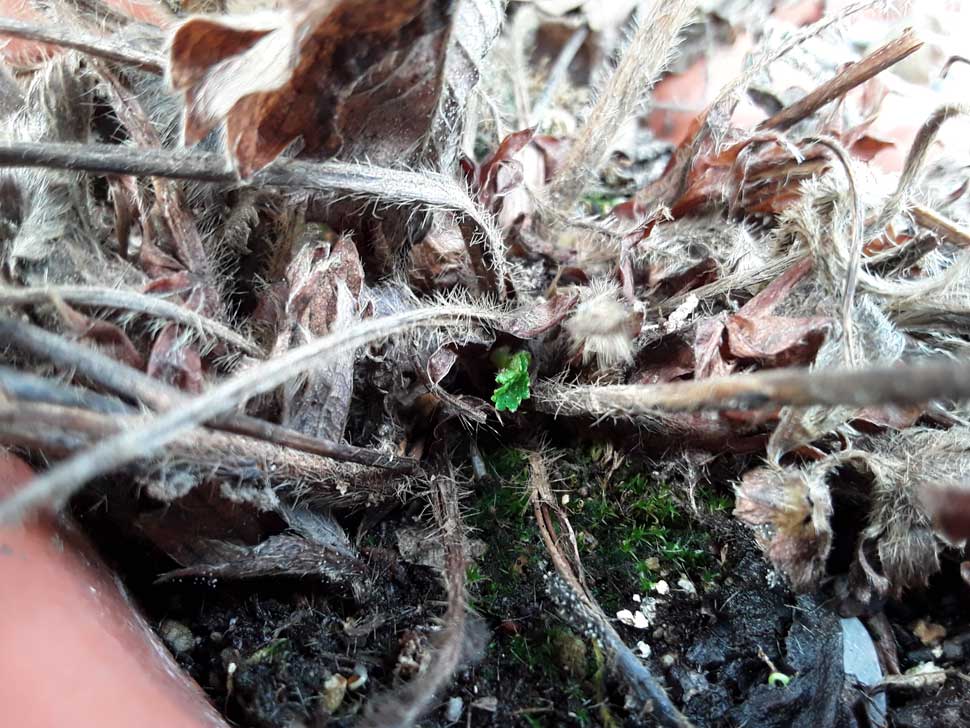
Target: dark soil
<point x="264" y="651"/>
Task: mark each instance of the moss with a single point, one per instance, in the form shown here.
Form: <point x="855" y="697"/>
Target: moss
<point x="570" y="653"/>
<point x="631" y="530"/>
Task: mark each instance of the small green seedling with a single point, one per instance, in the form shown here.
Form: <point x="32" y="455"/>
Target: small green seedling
<point x="512" y="378"/>
<point x="778" y="680"/>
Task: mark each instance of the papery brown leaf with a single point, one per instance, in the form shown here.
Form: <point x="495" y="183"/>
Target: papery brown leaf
<point x="775" y="292"/>
<point x="110" y="337"/>
<point x="313" y="69"/>
<point x="539" y="318"/>
<point x="708" y="340"/>
<point x="440" y="262"/>
<point x="670" y="359"/>
<point x="668" y="284"/>
<point x="887" y="417"/>
<point x="325" y="287"/>
<point x="173" y="361"/>
<point x="791" y="514"/>
<point x="867" y="147"/>
<point x="776" y="341"/>
<point x="948" y="506"/>
<point x="440" y="363"/>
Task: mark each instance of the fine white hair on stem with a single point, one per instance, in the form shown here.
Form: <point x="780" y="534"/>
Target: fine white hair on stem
<point x="130" y="301"/>
<point x="914" y="163"/>
<point x="855" y="248"/>
<point x="646" y="56"/>
<point x="58" y="483"/>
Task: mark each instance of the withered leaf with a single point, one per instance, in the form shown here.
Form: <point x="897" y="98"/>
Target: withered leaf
<point x="708" y="359"/>
<point x="325" y="287"/>
<point x="948" y="505"/>
<point x="105" y="333"/>
<point x="539" y="318"/>
<point x="790" y="511"/>
<point x="776" y="341"/>
<point x="312" y="69"/>
<point x="174" y="361"/>
<point x="282" y="555"/>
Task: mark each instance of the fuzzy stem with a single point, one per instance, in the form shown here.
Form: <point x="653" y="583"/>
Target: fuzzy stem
<point x="903" y="385"/>
<point x="112" y="50"/>
<point x="914" y="164"/>
<point x="385" y="185"/>
<point x="644" y="60"/>
<point x="61" y="481"/>
<point x="139" y="387"/>
<point x="405" y="707"/>
<point x="855" y="248"/>
<point x="129" y="301"/>
<point x="57" y="430"/>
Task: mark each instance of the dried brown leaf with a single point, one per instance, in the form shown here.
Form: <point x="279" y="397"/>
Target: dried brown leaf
<point x="790" y="512"/>
<point x="313" y="70"/>
<point x="325" y="287"/>
<point x="776" y="341"/>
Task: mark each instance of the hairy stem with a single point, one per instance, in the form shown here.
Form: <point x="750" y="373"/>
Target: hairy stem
<point x="58" y="483"/>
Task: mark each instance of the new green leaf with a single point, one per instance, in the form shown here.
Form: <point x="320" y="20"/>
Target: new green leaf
<point x="513" y="381"/>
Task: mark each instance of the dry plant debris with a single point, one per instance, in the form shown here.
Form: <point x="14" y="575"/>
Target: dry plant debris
<point x="279" y="285"/>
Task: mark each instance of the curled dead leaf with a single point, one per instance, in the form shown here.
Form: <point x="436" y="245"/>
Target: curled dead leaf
<point x="791" y="513"/>
<point x="311" y="70"/>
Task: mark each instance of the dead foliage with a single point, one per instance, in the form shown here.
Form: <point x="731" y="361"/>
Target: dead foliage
<point x="259" y="273"/>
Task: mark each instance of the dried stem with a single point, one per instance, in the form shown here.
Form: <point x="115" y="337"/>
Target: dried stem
<point x="851" y="76"/>
<point x="383" y="184"/>
<point x="855" y="249"/>
<point x="672" y="185"/>
<point x="405" y="707"/>
<point x="57" y="484"/>
<point x="914" y="163"/>
<point x="557" y="73"/>
<point x="944" y="227"/>
<point x="129" y="301"/>
<point x="58" y="431"/>
<point x="903" y="385"/>
<point x="32" y="388"/>
<point x="579" y="606"/>
<point x="111" y="50"/>
<point x="640" y="67"/>
<point x="141" y="388"/>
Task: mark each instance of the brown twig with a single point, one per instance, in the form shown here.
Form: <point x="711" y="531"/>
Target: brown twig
<point x="672" y="185"/>
<point x="904" y="385"/>
<point x="579" y="606"/>
<point x="944" y="227"/>
<point x="851" y="76"/>
<point x="129" y="301"/>
<point x="111" y="50"/>
<point x="59" y="431"/>
<point x="157" y="395"/>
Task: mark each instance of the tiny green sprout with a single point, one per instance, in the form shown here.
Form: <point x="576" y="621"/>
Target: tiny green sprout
<point x="778" y="680"/>
<point x="512" y="378"/>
